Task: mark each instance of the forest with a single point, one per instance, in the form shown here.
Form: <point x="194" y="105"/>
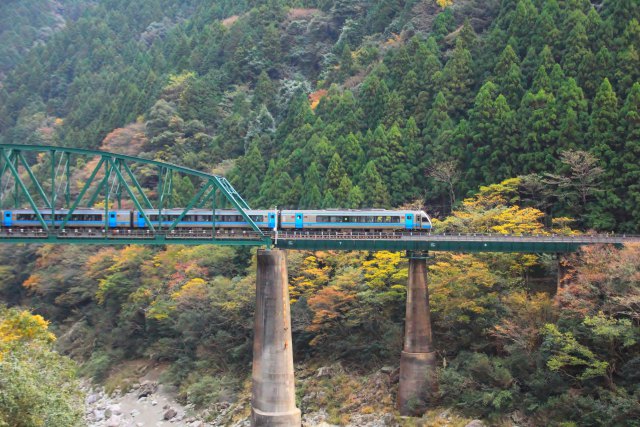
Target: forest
<point x="501" y="116"/>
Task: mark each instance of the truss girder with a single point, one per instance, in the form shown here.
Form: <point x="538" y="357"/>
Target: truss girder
<point x="111" y="171"/>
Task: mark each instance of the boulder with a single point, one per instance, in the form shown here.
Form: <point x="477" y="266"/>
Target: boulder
<point x="147" y="388"/>
<point x="475" y="423"/>
<point x="325" y="371"/>
<point x="170" y="414"/>
<point x="114" y="421"/>
<point x="92" y="398"/>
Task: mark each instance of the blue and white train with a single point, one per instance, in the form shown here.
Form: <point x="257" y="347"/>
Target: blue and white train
<point x="336" y="220"/>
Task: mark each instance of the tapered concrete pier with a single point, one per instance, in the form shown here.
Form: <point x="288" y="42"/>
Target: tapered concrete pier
<point x="273" y="400"/>
<point x="418" y="361"/>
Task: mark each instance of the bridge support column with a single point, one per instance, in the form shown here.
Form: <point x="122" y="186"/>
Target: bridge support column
<point x="564" y="272"/>
<point x="273" y="400"/>
<point x="418" y="361"/>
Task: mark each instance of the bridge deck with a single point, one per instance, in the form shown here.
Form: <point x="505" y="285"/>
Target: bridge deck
<point x="323" y="240"/>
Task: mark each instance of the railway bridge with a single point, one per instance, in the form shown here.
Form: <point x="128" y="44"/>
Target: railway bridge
<point x="47" y="179"/>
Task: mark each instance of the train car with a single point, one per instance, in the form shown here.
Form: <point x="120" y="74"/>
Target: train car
<point x="203" y="219"/>
<point x="81" y="218"/>
<point x="355" y="220"/>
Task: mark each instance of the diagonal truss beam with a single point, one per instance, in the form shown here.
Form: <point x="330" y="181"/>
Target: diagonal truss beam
<point x="33" y="178"/>
<point x="82" y="193"/>
<point x="126" y="186"/>
<point x="19" y="182"/>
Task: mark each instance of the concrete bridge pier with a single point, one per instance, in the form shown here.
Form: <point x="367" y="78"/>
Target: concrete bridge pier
<point x="273" y="400"/>
<point x="565" y="271"/>
<point x="418" y="361"/>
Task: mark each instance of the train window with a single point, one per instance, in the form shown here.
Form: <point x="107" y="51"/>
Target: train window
<point x="257" y="218"/>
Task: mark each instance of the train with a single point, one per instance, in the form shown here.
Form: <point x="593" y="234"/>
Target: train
<point x="337" y="220"/>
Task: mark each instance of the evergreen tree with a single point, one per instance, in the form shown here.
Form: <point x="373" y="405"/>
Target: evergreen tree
<point x="467" y="36"/>
<point x="264" y="92"/>
<point x="394" y="111"/>
<point x="352" y="153"/>
<point x="603" y="125"/>
<point x="508" y="76"/>
<point x="329" y="201"/>
<point x="311" y="196"/>
<point x="335" y="172"/>
<point x="439" y="119"/>
<point x="343" y="191"/>
<point x="373" y="188"/>
<point x="537" y="117"/>
<point x="356" y="198"/>
<point x="547" y="33"/>
<point x="541" y="81"/>
<point x="604" y="137"/>
<point x="346" y="62"/>
<point x="573" y="111"/>
<point x="374" y="96"/>
<point x="523" y="21"/>
<point x="457" y="79"/>
<point x="249" y="173"/>
<point x="630" y="131"/>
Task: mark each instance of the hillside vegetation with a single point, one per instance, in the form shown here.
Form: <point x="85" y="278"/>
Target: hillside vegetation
<point x="512" y="116"/>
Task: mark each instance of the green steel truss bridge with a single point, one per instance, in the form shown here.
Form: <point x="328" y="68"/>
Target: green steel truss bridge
<point x="40" y="178"/>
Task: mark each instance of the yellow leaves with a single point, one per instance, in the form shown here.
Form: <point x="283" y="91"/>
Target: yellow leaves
<point x="444" y="3"/>
<point x="194" y="288"/>
<point x="313" y="276"/>
<point x="494" y="195"/>
<point x="178" y="80"/>
<point x="19" y="327"/>
<point x="494" y="210"/>
<point x="384" y="269"/>
<point x="515" y="220"/>
<point x="460" y="287"/>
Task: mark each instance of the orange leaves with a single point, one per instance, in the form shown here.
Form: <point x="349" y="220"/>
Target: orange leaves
<point x="606" y="279"/>
<point x="526" y="316"/>
<point x="329" y="307"/>
<point x="315" y="97"/>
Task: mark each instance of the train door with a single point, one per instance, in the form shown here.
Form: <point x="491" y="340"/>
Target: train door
<point x="113" y="220"/>
<point x="272" y="220"/>
<point x="7" y="219"/>
<point x="409" y="221"/>
<point x="299" y="220"/>
<point x="140" y="220"/>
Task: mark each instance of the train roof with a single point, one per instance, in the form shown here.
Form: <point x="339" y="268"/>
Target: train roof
<point x="353" y="211"/>
<point x="205" y="211"/>
<point x="45" y="211"/>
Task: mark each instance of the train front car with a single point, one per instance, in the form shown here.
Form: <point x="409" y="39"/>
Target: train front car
<point x="425" y="221"/>
<point x="354" y="220"/>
